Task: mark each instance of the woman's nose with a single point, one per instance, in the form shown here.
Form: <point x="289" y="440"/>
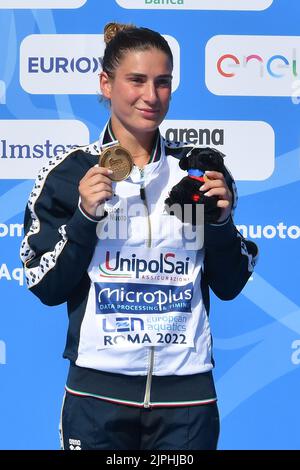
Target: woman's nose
<point x="150" y="94"/>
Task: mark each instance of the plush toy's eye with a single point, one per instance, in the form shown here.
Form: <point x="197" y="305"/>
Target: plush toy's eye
<point x="195" y="197"/>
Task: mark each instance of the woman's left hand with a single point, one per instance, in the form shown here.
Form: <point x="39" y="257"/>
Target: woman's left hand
<point x="215" y="185"/>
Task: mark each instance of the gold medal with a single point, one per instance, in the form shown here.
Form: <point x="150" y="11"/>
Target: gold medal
<point x="117" y="159"/>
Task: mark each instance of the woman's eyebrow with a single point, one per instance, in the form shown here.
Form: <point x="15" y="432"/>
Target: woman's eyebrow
<point x="136" y="74"/>
<point x="142" y="75"/>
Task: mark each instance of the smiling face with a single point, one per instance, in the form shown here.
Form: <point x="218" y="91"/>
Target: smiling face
<point x="140" y="90"/>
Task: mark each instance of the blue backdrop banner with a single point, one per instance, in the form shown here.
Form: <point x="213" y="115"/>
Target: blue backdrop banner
<point x="236" y="87"/>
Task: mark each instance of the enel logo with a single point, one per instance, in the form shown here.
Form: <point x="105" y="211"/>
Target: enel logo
<point x="276" y="66"/>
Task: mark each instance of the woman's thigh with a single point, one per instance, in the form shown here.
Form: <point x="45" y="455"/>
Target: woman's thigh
<point x="181" y="428"/>
<point x="91" y="423"/>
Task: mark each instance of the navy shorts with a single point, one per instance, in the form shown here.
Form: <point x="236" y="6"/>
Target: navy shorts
<point x="91" y="423"/>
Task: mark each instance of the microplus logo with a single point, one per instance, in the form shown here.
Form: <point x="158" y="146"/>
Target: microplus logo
<point x="37" y="4"/>
<point x="112" y="298"/>
<point x="196" y="4"/>
<point x="25" y="145"/>
<point x="252" y="65"/>
<point x="69" y="63"/>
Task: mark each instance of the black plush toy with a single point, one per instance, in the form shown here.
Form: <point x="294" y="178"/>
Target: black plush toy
<point x="187" y="192"/>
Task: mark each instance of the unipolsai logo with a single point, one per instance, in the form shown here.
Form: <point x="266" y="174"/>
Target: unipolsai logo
<point x="117" y="266"/>
<point x="196" y="4"/>
<point x="69" y="63"/>
<point x="252" y="65"/>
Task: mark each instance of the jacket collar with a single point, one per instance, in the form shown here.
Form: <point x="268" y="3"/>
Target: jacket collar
<point x="156" y="158"/>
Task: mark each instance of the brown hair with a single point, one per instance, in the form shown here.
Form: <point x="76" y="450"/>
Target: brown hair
<point x="120" y="38"/>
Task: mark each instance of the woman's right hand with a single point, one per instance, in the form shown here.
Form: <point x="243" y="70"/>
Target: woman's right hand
<point x="95" y="188"/>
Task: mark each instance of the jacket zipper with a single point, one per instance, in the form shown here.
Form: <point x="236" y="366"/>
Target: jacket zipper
<point x="149" y="241"/>
<point x="143" y="198"/>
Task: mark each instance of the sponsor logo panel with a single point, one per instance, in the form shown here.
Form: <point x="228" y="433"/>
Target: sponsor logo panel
<point x="70" y="63"/>
<point x="252" y="65"/>
<point x="196" y="4"/>
<point x="142" y="298"/>
<point x="238" y="140"/>
<point x="143" y="314"/>
<point x="37" y="142"/>
<point x="155" y="265"/>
